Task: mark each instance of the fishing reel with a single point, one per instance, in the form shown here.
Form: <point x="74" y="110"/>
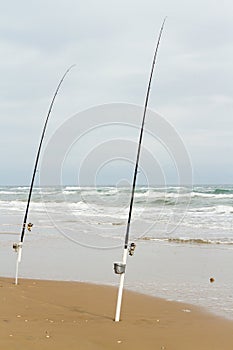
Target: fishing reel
<point x="17" y="246"/>
<point x="131" y="249"/>
<point x="29" y="226"/>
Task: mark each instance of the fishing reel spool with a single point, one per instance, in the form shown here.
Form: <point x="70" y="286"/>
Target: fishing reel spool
<point x="131" y="249"/>
<point x="17" y="246"/>
<point x="29" y="226"/>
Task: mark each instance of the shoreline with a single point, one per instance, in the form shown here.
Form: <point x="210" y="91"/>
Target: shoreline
<point x="172" y="272"/>
<point x="45" y="314"/>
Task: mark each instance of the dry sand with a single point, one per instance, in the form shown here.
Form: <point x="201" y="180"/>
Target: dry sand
<point x="69" y="315"/>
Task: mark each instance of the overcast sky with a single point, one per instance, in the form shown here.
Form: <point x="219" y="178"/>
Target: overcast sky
<point x="112" y="43"/>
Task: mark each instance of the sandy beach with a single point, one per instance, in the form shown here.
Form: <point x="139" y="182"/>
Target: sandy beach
<point x="71" y="315"/>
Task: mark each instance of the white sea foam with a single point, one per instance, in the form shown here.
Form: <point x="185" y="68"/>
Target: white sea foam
<point x="200" y="214"/>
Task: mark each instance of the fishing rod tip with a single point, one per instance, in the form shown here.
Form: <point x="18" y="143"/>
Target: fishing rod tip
<point x="72" y="66"/>
<point x="164" y="20"/>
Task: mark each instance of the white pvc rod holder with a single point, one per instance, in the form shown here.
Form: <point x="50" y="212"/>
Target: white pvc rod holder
<point x="121" y="287"/>
<point x="19" y="255"/>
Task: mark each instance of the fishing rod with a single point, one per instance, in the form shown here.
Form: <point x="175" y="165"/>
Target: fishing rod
<point x="18" y="246"/>
<point x="120" y="268"/>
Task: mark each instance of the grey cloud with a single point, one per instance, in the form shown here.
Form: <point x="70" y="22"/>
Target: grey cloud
<point x="112" y="44"/>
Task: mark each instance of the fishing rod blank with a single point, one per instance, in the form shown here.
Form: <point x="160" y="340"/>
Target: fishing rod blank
<point x="18" y="246"/>
<point x="120" y="268"/>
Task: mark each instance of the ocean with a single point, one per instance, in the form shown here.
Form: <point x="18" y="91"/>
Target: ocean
<point x="184" y="238"/>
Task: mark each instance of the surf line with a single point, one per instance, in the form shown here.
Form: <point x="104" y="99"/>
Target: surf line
<point x="19" y="246"/>
<point x="119" y="268"/>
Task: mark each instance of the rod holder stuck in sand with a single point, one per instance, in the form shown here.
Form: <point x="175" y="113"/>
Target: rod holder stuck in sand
<point x="121" y="286"/>
<point x="18" y="249"/>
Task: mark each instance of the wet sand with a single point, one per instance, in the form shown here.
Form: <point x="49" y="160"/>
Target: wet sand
<point x="44" y="315"/>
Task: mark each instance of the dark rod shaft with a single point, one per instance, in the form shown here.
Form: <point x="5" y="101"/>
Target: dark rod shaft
<point x="38" y="153"/>
<point x="140" y="138"/>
